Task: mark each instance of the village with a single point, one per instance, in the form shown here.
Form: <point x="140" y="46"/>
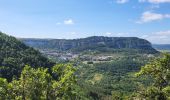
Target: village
<point x="68" y="56"/>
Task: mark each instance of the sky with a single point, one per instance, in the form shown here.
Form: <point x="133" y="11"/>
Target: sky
<point x="70" y="19"/>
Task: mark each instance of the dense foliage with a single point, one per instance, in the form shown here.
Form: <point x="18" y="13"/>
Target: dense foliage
<point x="38" y="84"/>
<point x="159" y="71"/>
<point x="14" y="55"/>
<point x="27" y="75"/>
<point x="39" y="79"/>
<point x="105" y="80"/>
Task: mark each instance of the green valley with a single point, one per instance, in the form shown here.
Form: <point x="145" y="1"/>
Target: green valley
<point x="84" y="49"/>
<point x="93" y="73"/>
<point x="102" y="69"/>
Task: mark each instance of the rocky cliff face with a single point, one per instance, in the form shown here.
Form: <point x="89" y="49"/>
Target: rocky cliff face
<point x="91" y="43"/>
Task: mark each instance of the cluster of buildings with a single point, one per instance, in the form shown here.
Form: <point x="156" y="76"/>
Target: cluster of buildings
<point x="66" y="56"/>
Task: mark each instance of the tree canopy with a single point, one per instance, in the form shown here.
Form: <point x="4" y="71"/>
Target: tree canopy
<point x="14" y="55"/>
<point x="38" y="84"/>
<point x="159" y="71"/>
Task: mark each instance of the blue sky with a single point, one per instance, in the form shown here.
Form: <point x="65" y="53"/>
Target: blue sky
<point x="148" y="19"/>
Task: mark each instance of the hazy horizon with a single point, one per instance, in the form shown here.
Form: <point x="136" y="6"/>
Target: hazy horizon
<point x="81" y="38"/>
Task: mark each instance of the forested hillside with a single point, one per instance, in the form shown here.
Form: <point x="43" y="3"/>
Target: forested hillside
<point x="104" y="79"/>
<point x="87" y="75"/>
<point x="106" y="65"/>
<point x="27" y="75"/>
<point x="14" y="55"/>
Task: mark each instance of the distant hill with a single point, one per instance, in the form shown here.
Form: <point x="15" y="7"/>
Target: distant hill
<point x="99" y="43"/>
<point x="162" y="46"/>
<point x="14" y="55"/>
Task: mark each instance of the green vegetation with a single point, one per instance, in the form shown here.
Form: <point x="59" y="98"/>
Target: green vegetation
<point x="98" y="73"/>
<point x="159" y="71"/>
<point x="38" y="84"/>
<point x="103" y="79"/>
<point x="27" y="75"/>
<point x="14" y="55"/>
<point x="104" y="68"/>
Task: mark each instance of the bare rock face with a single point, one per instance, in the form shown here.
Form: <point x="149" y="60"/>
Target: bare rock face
<point x="92" y="43"/>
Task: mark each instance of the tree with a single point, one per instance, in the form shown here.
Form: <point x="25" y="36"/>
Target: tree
<point x="62" y="88"/>
<point x="14" y="55"/>
<point x="3" y="88"/>
<point x="38" y="84"/>
<point x="159" y="71"/>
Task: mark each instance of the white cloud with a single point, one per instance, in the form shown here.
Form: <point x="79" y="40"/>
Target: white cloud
<point x="73" y="33"/>
<point x="122" y="35"/>
<point x="117" y="34"/>
<point x="161" y="37"/>
<point x="155" y="1"/>
<point x="122" y="1"/>
<point x="108" y="33"/>
<point x="68" y="22"/>
<point x="149" y="16"/>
